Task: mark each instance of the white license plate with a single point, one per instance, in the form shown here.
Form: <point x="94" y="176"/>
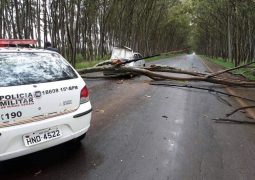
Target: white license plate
<point x="41" y="136"/>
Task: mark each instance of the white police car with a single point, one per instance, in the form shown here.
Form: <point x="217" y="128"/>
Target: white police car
<point x="43" y="100"/>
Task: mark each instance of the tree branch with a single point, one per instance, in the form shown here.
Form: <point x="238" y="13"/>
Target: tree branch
<point x="206" y="89"/>
<point x="160" y="68"/>
<point x="238" y="109"/>
<point x="222" y="120"/>
<point x="122" y="62"/>
<point x="228" y="70"/>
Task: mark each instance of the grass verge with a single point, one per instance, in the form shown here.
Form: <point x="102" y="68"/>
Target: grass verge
<point x="87" y="64"/>
<point x="245" y="72"/>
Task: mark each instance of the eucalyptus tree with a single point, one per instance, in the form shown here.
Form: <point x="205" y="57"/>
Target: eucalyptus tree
<point x="90" y="28"/>
<point x="225" y="28"/>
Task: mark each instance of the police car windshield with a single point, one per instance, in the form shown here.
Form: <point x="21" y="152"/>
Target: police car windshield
<point x="23" y="68"/>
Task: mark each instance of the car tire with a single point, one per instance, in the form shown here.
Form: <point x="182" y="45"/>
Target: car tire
<point x="77" y="141"/>
<point x="80" y="138"/>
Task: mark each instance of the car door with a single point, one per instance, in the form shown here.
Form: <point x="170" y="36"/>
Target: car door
<point x="137" y="63"/>
<point x="142" y="61"/>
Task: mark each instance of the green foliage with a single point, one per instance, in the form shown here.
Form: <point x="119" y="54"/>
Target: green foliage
<point x="93" y="27"/>
<point x="86" y="64"/>
<point x="82" y="63"/>
<point x="148" y="26"/>
<point x="222" y="62"/>
<point x="224" y="28"/>
<point x="79" y="58"/>
<point x="246" y="72"/>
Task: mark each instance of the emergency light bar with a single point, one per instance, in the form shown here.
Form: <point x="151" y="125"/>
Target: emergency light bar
<point x="6" y="42"/>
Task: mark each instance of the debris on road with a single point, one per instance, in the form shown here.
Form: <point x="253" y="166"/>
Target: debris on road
<point x="232" y="121"/>
<point x="38" y="172"/>
<point x="164" y="76"/>
<point x="158" y="72"/>
<point x="100" y="110"/>
<point x="239" y="109"/>
<point x="204" y="115"/>
<point x="200" y="88"/>
<point x="120" y="82"/>
<point x="164" y="116"/>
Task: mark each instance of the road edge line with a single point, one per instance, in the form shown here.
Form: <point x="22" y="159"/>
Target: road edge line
<point x="241" y="102"/>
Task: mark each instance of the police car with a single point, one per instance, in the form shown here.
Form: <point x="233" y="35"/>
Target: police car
<point x="43" y="100"/>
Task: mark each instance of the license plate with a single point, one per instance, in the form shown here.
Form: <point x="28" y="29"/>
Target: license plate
<point x="41" y="136"/>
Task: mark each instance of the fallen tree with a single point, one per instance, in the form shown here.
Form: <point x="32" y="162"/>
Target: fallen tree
<point x="168" y="74"/>
<point x="158" y="72"/>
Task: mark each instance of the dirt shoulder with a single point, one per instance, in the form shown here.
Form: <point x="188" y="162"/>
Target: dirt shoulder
<point x="245" y="92"/>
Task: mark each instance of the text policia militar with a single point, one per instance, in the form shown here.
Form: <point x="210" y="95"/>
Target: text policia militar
<point x="16" y="100"/>
<point x="24" y="99"/>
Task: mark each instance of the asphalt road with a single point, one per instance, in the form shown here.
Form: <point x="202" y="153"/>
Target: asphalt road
<point x="144" y="132"/>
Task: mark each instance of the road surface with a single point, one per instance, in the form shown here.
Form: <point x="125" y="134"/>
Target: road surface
<point x="145" y="132"/>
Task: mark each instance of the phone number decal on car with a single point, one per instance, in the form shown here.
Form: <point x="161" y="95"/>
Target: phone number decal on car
<point x="70" y="88"/>
<point x="50" y="91"/>
<point x="57" y="90"/>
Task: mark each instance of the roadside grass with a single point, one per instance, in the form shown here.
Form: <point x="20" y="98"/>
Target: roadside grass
<point x="86" y="64"/>
<point x="83" y="63"/>
<point x="245" y="72"/>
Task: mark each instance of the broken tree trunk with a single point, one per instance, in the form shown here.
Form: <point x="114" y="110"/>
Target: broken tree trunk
<point x="160" y="68"/>
<point x="122" y="62"/>
<point x="160" y="72"/>
<point x="156" y="75"/>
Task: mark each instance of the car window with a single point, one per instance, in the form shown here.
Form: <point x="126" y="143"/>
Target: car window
<point x="32" y="68"/>
<point x="123" y="54"/>
<point x="136" y="56"/>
